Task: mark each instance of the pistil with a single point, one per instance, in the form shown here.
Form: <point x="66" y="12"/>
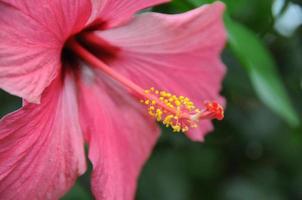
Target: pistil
<point x="174" y="111"/>
<point x="97" y="63"/>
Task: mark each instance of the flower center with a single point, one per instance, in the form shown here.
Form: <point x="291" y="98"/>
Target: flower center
<point x="95" y="45"/>
<point x="178" y="112"/>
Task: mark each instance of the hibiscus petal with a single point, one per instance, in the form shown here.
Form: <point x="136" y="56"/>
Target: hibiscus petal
<point x="41" y="146"/>
<point x="119" y="134"/>
<point x="32" y="35"/>
<point x="115" y="12"/>
<point x="178" y="53"/>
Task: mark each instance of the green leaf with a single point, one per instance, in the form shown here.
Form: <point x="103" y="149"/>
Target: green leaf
<point x="77" y="193"/>
<point x="261" y="68"/>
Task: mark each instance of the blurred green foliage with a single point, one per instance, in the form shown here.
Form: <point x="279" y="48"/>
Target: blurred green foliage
<point x="252" y="154"/>
<point x="261" y="70"/>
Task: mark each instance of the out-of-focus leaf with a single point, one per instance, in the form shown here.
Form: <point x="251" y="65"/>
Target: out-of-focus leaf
<point x="296" y="1"/>
<point x="234" y="6"/>
<point x="8" y="103"/>
<point x="261" y="68"/>
<point x="175" y="6"/>
<point x="77" y="193"/>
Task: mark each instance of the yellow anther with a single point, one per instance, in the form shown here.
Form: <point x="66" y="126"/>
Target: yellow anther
<point x="176" y="128"/>
<point x="177" y="112"/>
<point x="177" y="103"/>
<point x="163" y="93"/>
<point x="151" y="113"/>
<point x="159" y="114"/>
<point x="168" y="119"/>
<point x="151" y="108"/>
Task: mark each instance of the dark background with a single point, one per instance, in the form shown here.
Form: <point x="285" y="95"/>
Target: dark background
<point x="255" y="152"/>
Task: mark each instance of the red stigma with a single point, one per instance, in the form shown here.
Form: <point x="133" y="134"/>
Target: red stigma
<point x="216" y="109"/>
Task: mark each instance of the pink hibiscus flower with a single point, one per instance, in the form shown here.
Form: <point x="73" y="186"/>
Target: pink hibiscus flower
<point x="82" y="67"/>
